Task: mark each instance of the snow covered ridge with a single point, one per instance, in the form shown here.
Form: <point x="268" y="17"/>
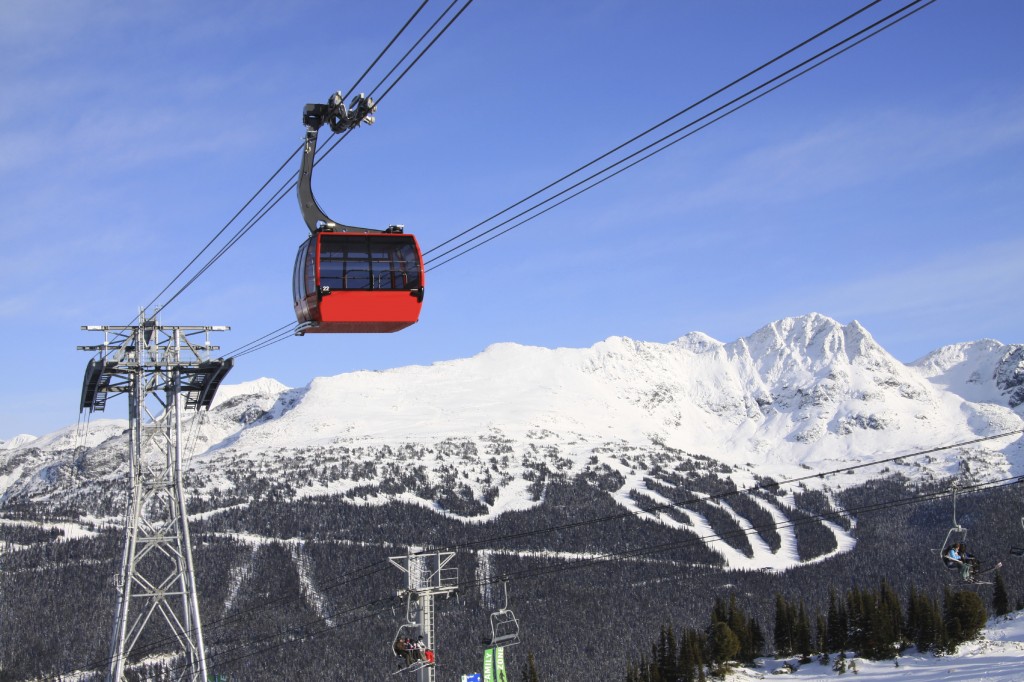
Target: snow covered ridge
<point x="16" y="442"/>
<point x="642" y="422"/>
<point x="981" y="371"/>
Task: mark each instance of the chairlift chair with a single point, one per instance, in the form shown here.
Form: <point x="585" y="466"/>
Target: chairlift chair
<point x="410" y="630"/>
<point x="1018" y="551"/>
<point x="504" y="625"/>
<point x="956" y="534"/>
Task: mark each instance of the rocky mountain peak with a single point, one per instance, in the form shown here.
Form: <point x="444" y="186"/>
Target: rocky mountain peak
<point x="490" y="430"/>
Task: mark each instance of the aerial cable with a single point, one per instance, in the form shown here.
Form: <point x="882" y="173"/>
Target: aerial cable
<point x="283" y="165"/>
<point x="290" y="184"/>
<point x="192" y="440"/>
<point x="270" y="204"/>
<point x="278" y="338"/>
<point x="429" y="45"/>
<point x="675" y="132"/>
<point x="261" y="213"/>
<point x="658" y="125"/>
<point x="244" y="347"/>
<point x="221" y="231"/>
<point x="637" y="161"/>
<point x="328" y="149"/>
<point x="386" y="48"/>
<point x="433" y="262"/>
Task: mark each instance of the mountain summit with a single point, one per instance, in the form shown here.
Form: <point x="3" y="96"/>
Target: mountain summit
<point x="478" y="437"/>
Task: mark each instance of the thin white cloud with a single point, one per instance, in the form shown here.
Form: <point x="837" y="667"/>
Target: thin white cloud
<point x="975" y="288"/>
<point x="859" y="150"/>
<point x="989" y="273"/>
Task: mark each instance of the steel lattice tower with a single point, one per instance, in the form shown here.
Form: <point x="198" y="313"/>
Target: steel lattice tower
<point x="166" y="371"/>
<point x="428" y="575"/>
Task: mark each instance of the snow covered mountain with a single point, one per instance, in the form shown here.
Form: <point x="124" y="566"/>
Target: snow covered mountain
<point x="17" y="441"/>
<point x="981" y="371"/>
<point x="478" y="437"/>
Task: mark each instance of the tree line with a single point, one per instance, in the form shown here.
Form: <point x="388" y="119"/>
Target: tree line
<point x="865" y="623"/>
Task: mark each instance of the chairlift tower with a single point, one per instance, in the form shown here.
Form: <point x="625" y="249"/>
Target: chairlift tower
<point x="165" y="371"/>
<point x="428" y="575"/>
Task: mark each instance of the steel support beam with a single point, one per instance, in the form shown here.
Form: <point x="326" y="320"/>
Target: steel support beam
<point x="157" y="366"/>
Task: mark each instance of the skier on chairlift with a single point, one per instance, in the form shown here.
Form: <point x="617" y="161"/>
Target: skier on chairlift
<point x="968" y="565"/>
<point x="956" y="556"/>
<point x="404" y="649"/>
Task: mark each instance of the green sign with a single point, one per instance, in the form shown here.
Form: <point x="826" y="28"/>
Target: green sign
<point x="494" y="665"/>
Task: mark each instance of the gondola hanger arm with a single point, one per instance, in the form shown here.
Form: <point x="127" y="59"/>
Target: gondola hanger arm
<point x="339" y="118"/>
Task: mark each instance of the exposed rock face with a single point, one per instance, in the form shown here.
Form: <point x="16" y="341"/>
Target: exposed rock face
<point x="1009" y="375"/>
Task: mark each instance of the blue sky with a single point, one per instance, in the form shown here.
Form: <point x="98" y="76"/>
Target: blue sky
<point x="883" y="187"/>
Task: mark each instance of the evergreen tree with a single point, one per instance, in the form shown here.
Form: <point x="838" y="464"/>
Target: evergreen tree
<point x="1000" y="598"/>
<point x="530" y="671"/>
<point x="892" y="626"/>
<point x="666" y="659"/>
<point x="912" y="623"/>
<point x="691" y="662"/>
<point x="720" y="612"/>
<point x="740" y="625"/>
<point x="783" y="627"/>
<point x="643" y="671"/>
<point x="836" y="638"/>
<point x="687" y="666"/>
<point x="880" y="623"/>
<point x="721" y="647"/>
<point x="820" y="634"/>
<point x="802" y="634"/>
<point x="857" y="619"/>
<point x="696" y="646"/>
<point x="756" y="639"/>
<point x="653" y="674"/>
<point x="964" y="616"/>
<point x="937" y="625"/>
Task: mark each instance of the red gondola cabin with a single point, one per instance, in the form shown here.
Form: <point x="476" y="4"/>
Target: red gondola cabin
<point x="358" y="282"/>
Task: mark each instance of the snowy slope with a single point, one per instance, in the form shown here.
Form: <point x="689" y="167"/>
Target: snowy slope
<point x="16" y="442"/>
<point x="477" y="437"/>
<point x="983" y="371"/>
<point x="799" y="392"/>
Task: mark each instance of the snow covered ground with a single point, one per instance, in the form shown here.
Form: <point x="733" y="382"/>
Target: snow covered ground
<point x="998" y="656"/>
